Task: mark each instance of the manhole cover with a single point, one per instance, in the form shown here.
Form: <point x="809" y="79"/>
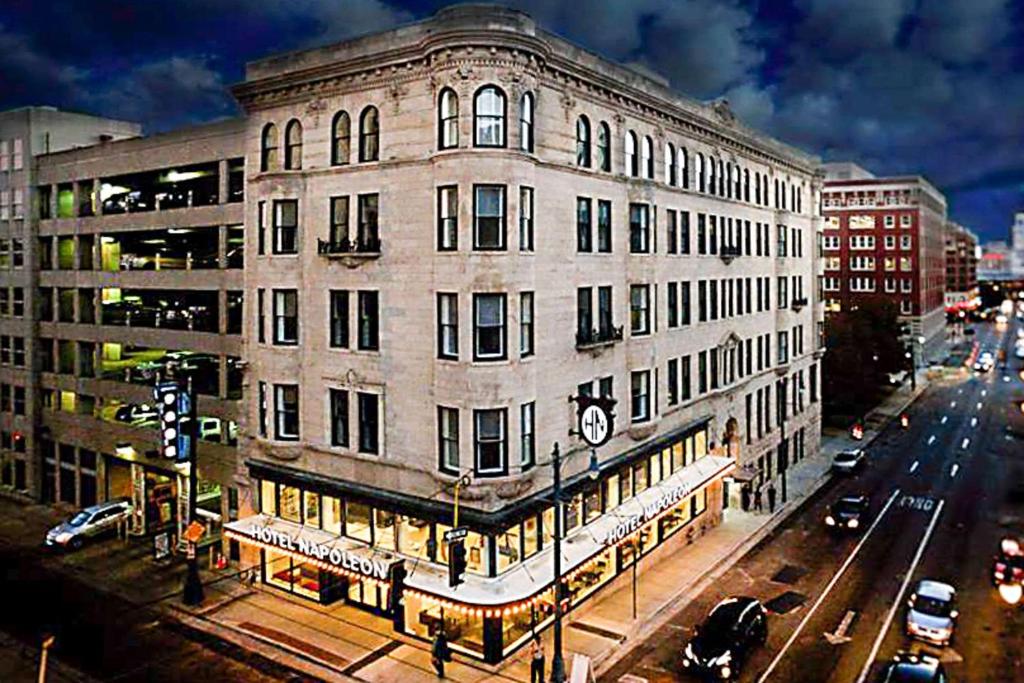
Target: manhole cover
<point x="786" y="603"/>
<point x="789" y="574"/>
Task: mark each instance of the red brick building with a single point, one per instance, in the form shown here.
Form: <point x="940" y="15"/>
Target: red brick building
<point x="885" y="236"/>
<point x="961" y="269"/>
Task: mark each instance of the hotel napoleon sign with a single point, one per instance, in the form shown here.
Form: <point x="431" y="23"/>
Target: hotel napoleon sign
<point x="374" y="568"/>
<point x="628" y="525"/>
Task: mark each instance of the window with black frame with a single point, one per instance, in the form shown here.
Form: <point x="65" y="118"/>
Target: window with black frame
<point x="286" y="226"/>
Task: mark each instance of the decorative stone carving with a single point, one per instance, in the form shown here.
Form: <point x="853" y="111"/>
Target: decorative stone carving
<point x="315" y="108"/>
<point x="568" y="104"/>
<point x="723" y="112"/>
<point x="464" y="72"/>
<point x="395" y="93"/>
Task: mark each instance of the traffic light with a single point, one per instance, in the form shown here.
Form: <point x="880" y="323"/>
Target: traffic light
<point x="456" y="562"/>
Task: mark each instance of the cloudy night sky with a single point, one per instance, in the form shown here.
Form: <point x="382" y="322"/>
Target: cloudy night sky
<point x="899" y="86"/>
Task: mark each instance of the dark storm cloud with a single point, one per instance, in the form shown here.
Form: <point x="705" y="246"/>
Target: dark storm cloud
<point x="924" y="86"/>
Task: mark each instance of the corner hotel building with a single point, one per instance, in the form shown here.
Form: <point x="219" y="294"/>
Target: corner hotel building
<point x="453" y="227"/>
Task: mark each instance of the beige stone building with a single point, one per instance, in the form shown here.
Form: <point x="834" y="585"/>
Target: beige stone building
<point x="453" y="229"/>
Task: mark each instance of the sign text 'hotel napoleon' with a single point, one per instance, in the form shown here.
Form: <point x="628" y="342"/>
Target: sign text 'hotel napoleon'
<point x="374" y="568"/>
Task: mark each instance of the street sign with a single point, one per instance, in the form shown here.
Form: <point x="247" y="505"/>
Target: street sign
<point x="456" y="534"/>
<point x="595" y="425"/>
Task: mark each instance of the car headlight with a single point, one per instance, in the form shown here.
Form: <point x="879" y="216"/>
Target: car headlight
<point x="724" y="659"/>
<point x="853" y="524"/>
<point x="830" y="520"/>
<point x="726" y="672"/>
<point x="63" y="537"/>
<point x="688" y="652"/>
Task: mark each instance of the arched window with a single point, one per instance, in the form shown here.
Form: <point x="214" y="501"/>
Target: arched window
<point x="757" y="188"/>
<point x="647" y="156"/>
<point x="737" y="180"/>
<point x="341" y="138"/>
<point x="670" y="164"/>
<point x="728" y="180"/>
<point x="583" y="142"/>
<point x="683" y="163"/>
<point x="489" y="117"/>
<point x="526" y="122"/>
<point x="712" y="185"/>
<point x="369" y="135"/>
<point x="699" y="172"/>
<point x="604" y="149"/>
<point x="448" y="119"/>
<point x="746" y="184"/>
<point x="721" y="178"/>
<point x="268" y="147"/>
<point x="293" y="145"/>
<point x="632" y="168"/>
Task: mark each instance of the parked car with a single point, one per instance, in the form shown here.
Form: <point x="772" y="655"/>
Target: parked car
<point x="932" y="613"/>
<point x="849" y="512"/>
<point x="733" y="628"/>
<point x="907" y="667"/>
<point x="847" y="462"/>
<point x="898" y="377"/>
<point x="1008" y="564"/>
<point x="90" y="523"/>
<point x="985" y="362"/>
<point x="136" y="413"/>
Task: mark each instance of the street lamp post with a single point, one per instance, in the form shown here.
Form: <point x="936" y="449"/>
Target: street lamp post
<point x="558" y="661"/>
<point x="193" y="591"/>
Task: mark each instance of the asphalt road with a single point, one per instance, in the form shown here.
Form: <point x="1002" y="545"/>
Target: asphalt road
<point x="941" y="500"/>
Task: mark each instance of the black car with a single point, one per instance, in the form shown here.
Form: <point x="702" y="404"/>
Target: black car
<point x="719" y="646"/>
<point x="911" y="668"/>
<point x="849" y="512"/>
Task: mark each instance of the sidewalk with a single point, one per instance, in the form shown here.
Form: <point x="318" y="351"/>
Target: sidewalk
<point x="342" y="643"/>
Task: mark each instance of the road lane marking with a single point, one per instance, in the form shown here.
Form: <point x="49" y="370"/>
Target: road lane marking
<point x="913" y="467"/>
<point x="931" y="439"/>
<point x="978" y="407"/>
<point x="944" y="418"/>
<point x="828" y="589"/>
<point x="984" y="392"/>
<point x="839" y="636"/>
<point x="952" y="404"/>
<point x="896" y="603"/>
<point x="954" y="470"/>
<point x="966" y="443"/>
<point x="974" y="422"/>
<point x="923" y="503"/>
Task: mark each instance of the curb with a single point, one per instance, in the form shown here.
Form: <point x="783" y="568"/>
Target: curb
<point x="730" y="558"/>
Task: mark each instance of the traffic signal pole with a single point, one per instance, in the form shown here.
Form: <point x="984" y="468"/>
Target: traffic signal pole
<point x="193" y="590"/>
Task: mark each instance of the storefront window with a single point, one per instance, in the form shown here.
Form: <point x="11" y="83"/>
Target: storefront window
<point x="655" y="468"/>
<point x="591" y="504"/>
<point x="639" y="477"/>
<point x="700" y="502"/>
<point x="591" y="576"/>
<point x="384" y="525"/>
<point x="666" y="463"/>
<point x="571" y="510"/>
<point x="312" y="514"/>
<point x="677" y="456"/>
<point x="476" y="553"/>
<point x="548" y="524"/>
<point x="306" y="579"/>
<point x="611" y="493"/>
<point x="676" y="519"/>
<point x="700" y="444"/>
<point x="464" y="632"/>
<point x="625" y="484"/>
<point x="357" y="521"/>
<point x="289" y="504"/>
<point x="530" y="537"/>
<point x="332" y="514"/>
<point x="508" y="548"/>
<point x="278" y="570"/>
<point x="413" y="535"/>
<point x="648" y="537"/>
<point x="689" y="450"/>
<point x="268" y="501"/>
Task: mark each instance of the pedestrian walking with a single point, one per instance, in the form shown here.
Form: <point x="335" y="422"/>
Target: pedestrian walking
<point x="439" y="653"/>
<point x="758" y="506"/>
<point x="536" y="661"/>
<point x="771" y="498"/>
<point x="745" y="497"/>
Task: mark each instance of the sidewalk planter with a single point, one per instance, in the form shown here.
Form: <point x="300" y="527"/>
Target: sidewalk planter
<point x="328" y="540"/>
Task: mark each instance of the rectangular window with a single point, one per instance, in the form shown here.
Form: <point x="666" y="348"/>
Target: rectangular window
<point x="262" y="409"/>
<point x="525" y="324"/>
<point x="261" y="228"/>
<point x="525" y="219"/>
<point x="673" y="381"/>
<point x="702" y="372"/>
<point x="604" y="313"/>
<point x="702" y="301"/>
<point x="684" y="232"/>
<point x="684" y="302"/>
<point x="604" y="226"/>
<point x="286" y="226"/>
<point x="783" y="348"/>
<point x="286" y="317"/>
<point x="339" y="234"/>
<point x="369" y="422"/>
<point x="286" y="412"/>
<point x="639" y="309"/>
<point x="781" y="249"/>
<point x="713" y="234"/>
<point x="584" y="225"/>
<point x="448" y="218"/>
<point x="489" y="217"/>
<point x="368" y="238"/>
<point x="782" y="295"/>
<point x="527" y="454"/>
<point x="261" y="322"/>
<point x="640" y="394"/>
<point x="702" y="234"/>
<point x="339" y="318"/>
<point x="684" y="378"/>
<point x="369" y="321"/>
<point x="489" y="327"/>
<point x="490" y="445"/>
<point x="639" y="229"/>
<point x="339" y="417"/>
<point x="672" y="301"/>
<point x="584" y="314"/>
<point x="671" y="232"/>
<point x="448" y="326"/>
<point x="448" y="439"/>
